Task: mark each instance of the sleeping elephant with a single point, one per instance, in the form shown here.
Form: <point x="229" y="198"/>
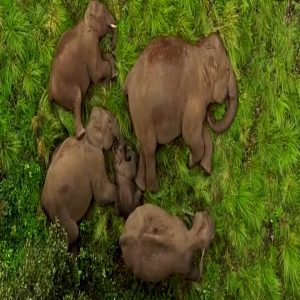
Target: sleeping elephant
<point x="169" y="90"/>
<point x="78" y="61"/>
<point x="156" y="245"/>
<point x="125" y="165"/>
<point x="77" y="173"/>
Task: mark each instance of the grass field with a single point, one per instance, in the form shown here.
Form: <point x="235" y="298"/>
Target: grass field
<point x="253" y="193"/>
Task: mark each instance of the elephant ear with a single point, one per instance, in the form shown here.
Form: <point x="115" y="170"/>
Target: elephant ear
<point x="91" y="17"/>
<point x="210" y="47"/>
<point x="210" y="65"/>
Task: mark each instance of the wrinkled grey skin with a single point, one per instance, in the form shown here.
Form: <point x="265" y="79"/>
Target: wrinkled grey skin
<point x="77" y="173"/>
<point x="169" y="91"/>
<point x="125" y="165"/>
<point x="156" y="245"/>
<point x="78" y="61"/>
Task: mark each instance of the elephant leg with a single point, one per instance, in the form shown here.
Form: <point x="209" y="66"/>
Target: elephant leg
<point x="137" y="198"/>
<point x="140" y="179"/>
<point x="196" y="150"/>
<point x="149" y="154"/>
<point x="105" y="193"/>
<point x="205" y="162"/>
<point x="192" y="131"/>
<point x="103" y="69"/>
<point x="110" y="194"/>
<point x="80" y="131"/>
<point x="70" y="227"/>
<point x="116" y="209"/>
<point x="105" y="74"/>
<point x="108" y="57"/>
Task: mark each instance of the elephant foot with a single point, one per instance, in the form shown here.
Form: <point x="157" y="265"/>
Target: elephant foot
<point x="80" y="134"/>
<point x="110" y="59"/>
<point x="206" y="166"/>
<point x="74" y="250"/>
<point x="138" y="198"/>
<point x="140" y="184"/>
<point x="116" y="209"/>
<point x="191" y="162"/>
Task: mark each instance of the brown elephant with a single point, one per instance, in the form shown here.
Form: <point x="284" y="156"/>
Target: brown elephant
<point x="169" y="90"/>
<point x="125" y="165"/>
<point x="77" y="173"/>
<point x="78" y="61"/>
<point x="156" y="245"/>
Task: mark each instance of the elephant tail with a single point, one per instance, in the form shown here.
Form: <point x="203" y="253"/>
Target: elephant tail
<point x="125" y="89"/>
<point x="50" y="94"/>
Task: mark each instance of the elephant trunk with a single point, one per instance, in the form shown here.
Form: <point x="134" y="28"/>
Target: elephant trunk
<point x="224" y="124"/>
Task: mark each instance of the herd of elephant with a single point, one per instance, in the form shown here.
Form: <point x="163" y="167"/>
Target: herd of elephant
<point x="169" y="93"/>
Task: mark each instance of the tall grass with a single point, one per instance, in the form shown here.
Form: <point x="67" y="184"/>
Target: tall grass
<point x="254" y="190"/>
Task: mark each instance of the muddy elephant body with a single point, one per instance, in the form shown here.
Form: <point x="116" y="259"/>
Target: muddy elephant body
<point x="78" y="61"/>
<point x="156" y="245"/>
<point x="169" y="90"/>
<point x="77" y="174"/>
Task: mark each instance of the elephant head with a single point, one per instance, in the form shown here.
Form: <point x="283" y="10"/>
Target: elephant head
<point x="98" y="18"/>
<point x="102" y="128"/>
<point x="221" y="80"/>
<point x="125" y="161"/>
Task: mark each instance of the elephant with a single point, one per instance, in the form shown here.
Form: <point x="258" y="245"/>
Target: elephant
<point x="156" y="245"/>
<point x="125" y="165"/>
<point x="78" y="61"/>
<point x="169" y="93"/>
<point x="77" y="174"/>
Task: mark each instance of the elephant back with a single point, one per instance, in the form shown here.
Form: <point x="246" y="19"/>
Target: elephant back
<point x="151" y="242"/>
<point x="150" y="219"/>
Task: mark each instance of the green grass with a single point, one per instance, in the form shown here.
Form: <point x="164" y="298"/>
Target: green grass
<point x="253" y="193"/>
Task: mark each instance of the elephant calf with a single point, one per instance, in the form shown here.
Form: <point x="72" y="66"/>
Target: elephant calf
<point x="156" y="245"/>
<point x="77" y="173"/>
<point x="78" y="61"/>
<point x="125" y="164"/>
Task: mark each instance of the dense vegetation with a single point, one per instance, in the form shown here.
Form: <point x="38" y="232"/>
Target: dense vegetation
<point x="253" y="193"/>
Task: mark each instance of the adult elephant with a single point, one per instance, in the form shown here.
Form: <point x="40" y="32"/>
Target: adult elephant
<point x="169" y="90"/>
<point x="78" y="61"/>
<point x="156" y="245"/>
<point x="77" y="173"/>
